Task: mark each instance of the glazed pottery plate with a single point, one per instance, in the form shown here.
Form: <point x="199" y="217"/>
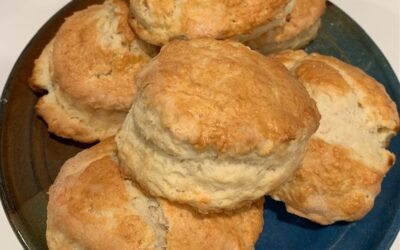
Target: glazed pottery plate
<point x="31" y="157"/>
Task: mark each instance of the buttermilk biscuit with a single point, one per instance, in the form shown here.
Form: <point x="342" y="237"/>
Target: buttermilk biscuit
<point x="92" y="206"/>
<point x="158" y="22"/>
<point x="88" y="71"/>
<point x="301" y="27"/>
<point x="215" y="125"/>
<point x="346" y="159"/>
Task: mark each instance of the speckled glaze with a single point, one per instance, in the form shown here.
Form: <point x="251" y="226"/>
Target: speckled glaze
<point x="31" y="158"/>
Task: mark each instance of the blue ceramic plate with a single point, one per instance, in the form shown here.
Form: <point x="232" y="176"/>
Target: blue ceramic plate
<point x="30" y="158"/>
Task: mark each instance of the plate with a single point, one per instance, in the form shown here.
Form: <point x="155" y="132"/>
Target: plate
<point x="30" y="157"/>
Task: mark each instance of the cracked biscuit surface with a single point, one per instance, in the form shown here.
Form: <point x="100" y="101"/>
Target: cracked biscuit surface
<point x="347" y="157"/>
<point x="92" y="206"/>
<point x="215" y="125"/>
<point x="88" y="71"/>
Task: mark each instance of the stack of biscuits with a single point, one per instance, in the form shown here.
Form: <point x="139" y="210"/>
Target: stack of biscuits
<point x="195" y="126"/>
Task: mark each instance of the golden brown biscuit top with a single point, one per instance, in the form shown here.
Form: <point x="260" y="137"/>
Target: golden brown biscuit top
<point x="85" y="197"/>
<point x="158" y="22"/>
<point x="95" y="58"/>
<point x="222" y="95"/>
<point x="346" y="158"/>
<point x="91" y="205"/>
<point x="326" y="74"/>
<point x="330" y="185"/>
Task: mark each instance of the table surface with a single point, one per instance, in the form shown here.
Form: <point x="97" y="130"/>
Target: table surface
<point x="20" y="19"/>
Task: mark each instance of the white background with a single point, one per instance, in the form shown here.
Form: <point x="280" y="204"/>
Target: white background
<point x="20" y="19"/>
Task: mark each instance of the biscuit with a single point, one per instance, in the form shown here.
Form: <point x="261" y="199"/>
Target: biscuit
<point x="88" y="72"/>
<point x="92" y="206"/>
<point x="346" y="160"/>
<point x="301" y="28"/>
<point x="159" y="22"/>
<point x="215" y="125"/>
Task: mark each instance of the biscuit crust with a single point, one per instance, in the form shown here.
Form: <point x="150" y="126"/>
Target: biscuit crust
<point x="82" y="211"/>
<point x="330" y="185"/>
<point x="229" y="227"/>
<point x="92" y="206"/>
<point x="301" y="27"/>
<point x="223" y="96"/>
<point x="89" y="66"/>
<point x="346" y="160"/>
<point x="215" y="125"/>
<point x="159" y="22"/>
<point x="88" y="71"/>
